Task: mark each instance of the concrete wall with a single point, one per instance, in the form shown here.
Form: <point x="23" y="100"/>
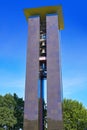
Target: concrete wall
<point x="32" y="69"/>
<point x="54" y="103"/>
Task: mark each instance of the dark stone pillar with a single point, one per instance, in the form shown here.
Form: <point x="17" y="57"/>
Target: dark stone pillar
<point x="54" y="100"/>
<point x="32" y="75"/>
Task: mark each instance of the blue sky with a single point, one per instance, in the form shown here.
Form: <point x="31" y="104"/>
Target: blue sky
<point x="13" y="44"/>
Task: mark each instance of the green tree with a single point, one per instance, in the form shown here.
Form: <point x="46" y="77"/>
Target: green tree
<point x="18" y="112"/>
<point x="74" y="115"/>
<point x="7" y="117"/>
<point x="8" y="101"/>
<point x="7" y="104"/>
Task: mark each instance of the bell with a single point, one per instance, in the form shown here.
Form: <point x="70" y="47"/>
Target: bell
<point x="43" y="44"/>
<point x="43" y="51"/>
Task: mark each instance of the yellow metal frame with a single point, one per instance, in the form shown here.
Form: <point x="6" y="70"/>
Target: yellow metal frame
<point x="43" y="11"/>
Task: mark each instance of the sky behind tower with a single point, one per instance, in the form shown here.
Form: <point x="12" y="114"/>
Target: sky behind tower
<point x="13" y="44"/>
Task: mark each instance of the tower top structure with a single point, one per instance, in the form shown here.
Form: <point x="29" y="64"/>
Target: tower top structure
<point x="43" y="11"/>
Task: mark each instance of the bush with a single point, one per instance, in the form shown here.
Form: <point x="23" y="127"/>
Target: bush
<point x="1" y="128"/>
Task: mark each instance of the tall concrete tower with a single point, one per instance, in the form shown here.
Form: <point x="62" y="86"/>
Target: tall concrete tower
<point x="43" y="62"/>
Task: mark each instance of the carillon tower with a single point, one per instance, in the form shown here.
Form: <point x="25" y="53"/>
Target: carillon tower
<point x="43" y="62"/>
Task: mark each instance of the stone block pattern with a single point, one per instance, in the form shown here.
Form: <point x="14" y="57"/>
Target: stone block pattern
<point x="32" y="70"/>
<point x="54" y="87"/>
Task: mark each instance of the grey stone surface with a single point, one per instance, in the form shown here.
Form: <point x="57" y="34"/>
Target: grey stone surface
<point x="54" y="100"/>
<point x="32" y="69"/>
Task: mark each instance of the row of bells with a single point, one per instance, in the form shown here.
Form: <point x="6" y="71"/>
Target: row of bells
<point x="42" y="69"/>
<point x="43" y="48"/>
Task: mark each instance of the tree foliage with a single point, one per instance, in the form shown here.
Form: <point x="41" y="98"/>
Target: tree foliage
<point x="7" y="117"/>
<point x="74" y="115"/>
<point x="18" y="112"/>
<point x="11" y="112"/>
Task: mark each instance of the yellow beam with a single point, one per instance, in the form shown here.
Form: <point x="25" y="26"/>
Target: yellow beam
<point x="43" y="11"/>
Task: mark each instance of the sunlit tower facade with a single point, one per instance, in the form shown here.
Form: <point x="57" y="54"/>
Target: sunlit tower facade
<point x="43" y="62"/>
